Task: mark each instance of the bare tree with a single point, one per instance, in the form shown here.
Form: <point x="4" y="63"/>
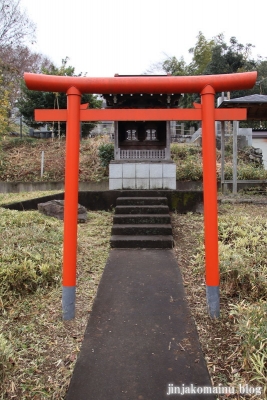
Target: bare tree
<point x="15" y="26"/>
<point x="17" y="32"/>
<point x="14" y="61"/>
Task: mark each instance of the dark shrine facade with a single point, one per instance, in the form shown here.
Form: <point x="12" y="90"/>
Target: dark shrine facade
<point x="142" y="148"/>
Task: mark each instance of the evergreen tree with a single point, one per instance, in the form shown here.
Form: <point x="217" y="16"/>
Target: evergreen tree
<point x="31" y="99"/>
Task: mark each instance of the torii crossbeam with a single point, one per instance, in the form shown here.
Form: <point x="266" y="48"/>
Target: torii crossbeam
<point x="206" y="85"/>
<point x="154" y="114"/>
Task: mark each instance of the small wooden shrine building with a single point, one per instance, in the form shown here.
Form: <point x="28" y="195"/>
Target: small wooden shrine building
<point x="142" y="148"/>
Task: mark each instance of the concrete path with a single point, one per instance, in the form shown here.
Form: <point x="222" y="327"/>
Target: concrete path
<point x="140" y="337"/>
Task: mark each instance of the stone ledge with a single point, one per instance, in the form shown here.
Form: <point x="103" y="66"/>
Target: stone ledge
<point x="181" y="201"/>
<point x="144" y="175"/>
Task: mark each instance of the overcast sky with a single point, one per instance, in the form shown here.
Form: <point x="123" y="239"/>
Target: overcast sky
<point x="104" y="37"/>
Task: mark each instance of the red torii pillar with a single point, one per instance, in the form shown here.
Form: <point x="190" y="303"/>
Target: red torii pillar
<point x="206" y="85"/>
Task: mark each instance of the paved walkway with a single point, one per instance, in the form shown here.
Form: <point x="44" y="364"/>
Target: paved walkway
<point x="140" y="336"/>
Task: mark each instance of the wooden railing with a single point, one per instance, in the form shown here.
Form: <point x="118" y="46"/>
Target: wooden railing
<point x="142" y="154"/>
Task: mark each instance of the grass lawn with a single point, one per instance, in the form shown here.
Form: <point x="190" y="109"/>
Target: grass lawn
<point x="235" y="345"/>
<point x="37" y="349"/>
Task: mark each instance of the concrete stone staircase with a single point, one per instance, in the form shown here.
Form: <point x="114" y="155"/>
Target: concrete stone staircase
<point x="142" y="222"/>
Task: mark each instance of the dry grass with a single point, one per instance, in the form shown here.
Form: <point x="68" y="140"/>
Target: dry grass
<point x="21" y="161"/>
<point x="188" y="159"/>
<point x="39" y="350"/>
<point x="226" y="341"/>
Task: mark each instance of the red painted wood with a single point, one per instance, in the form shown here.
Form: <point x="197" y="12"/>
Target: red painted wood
<point x="177" y="114"/>
<point x="71" y="188"/>
<point x="142" y="84"/>
<point x="210" y="187"/>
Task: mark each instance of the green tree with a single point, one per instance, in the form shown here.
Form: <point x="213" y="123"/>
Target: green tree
<point x="174" y="66"/>
<point x="215" y="56"/>
<point x="202" y="54"/>
<point x="261" y="85"/>
<point x="229" y="58"/>
<point x="30" y="99"/>
<point x="179" y="67"/>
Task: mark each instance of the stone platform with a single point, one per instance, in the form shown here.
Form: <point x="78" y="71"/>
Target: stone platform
<point x="126" y="174"/>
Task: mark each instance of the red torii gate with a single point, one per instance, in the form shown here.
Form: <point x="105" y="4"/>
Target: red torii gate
<point x="206" y="85"/>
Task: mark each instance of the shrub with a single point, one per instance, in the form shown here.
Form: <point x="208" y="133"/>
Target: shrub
<point x="245" y="172"/>
<point x="254" y="190"/>
<point x="252" y="329"/>
<point x="106" y="153"/>
<point x="10" y="143"/>
<point x="182" y="151"/>
<point x="189" y="170"/>
<point x="188" y="160"/>
<point x="25" y="276"/>
<point x="242" y="250"/>
<point x="228" y="148"/>
<point x="31" y="252"/>
<point x="243" y="272"/>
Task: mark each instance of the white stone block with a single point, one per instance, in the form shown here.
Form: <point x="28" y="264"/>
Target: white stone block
<point x="142" y="170"/>
<point x="115" y="171"/>
<point x="169" y="183"/>
<point x="128" y="183"/>
<point x="155" y="183"/>
<point x="155" y="170"/>
<point x="169" y="170"/>
<point x="115" y="184"/>
<point x="142" y="183"/>
<point x="128" y="170"/>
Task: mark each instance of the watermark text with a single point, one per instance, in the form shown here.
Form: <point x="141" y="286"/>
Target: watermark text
<point x="192" y="389"/>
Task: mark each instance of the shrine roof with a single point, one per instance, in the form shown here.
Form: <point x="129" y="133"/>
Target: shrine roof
<point x="256" y="105"/>
<point x="252" y="99"/>
<point x="140" y="100"/>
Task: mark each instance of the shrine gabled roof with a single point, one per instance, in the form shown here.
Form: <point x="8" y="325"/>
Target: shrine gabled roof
<point x="141" y="100"/>
<point x="256" y="105"/>
<point x="253" y="99"/>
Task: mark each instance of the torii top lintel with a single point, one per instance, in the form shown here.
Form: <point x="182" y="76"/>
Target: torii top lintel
<point x="154" y="85"/>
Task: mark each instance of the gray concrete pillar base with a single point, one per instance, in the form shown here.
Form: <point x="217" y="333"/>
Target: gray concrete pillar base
<point x="213" y="301"/>
<point x="68" y="302"/>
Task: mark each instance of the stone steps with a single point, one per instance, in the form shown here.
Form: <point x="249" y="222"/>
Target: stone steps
<point x="142" y="241"/>
<point x="162" y="201"/>
<point x="141" y="219"/>
<point x="142" y="229"/>
<point x="142" y="222"/>
<point x="143" y="209"/>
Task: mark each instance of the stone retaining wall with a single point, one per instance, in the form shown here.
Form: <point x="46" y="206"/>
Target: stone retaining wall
<point x="181" y="201"/>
